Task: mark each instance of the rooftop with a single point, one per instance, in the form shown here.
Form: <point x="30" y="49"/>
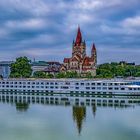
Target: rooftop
<point x="44" y="63"/>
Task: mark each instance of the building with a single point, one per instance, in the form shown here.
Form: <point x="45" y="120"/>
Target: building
<point x="38" y="66"/>
<point x="5" y="69"/>
<point x="53" y="68"/>
<point x="80" y="62"/>
<point x="47" y="67"/>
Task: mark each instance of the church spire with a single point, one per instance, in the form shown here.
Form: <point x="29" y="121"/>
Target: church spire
<point x="94" y="53"/>
<point x="79" y="37"/>
<point x="93" y="48"/>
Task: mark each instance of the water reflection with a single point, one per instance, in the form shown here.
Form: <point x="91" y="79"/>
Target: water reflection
<point x="23" y="102"/>
<point x="79" y="115"/>
<point x="94" y="109"/>
<point x="22" y="107"/>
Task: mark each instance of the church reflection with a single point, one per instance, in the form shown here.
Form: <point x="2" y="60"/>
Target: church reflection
<point x="79" y="105"/>
<point x="94" y="109"/>
<point x="79" y="115"/>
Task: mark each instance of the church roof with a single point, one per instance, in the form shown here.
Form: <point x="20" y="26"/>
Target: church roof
<point x="74" y="59"/>
<point x="93" y="47"/>
<point x="86" y="61"/>
<point x="78" y="37"/>
<point x="66" y="60"/>
<point x="62" y="67"/>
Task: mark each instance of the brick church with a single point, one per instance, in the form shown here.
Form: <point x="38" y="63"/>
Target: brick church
<point x="80" y="62"/>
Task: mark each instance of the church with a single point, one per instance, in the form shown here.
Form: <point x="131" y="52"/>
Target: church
<point x="80" y="62"/>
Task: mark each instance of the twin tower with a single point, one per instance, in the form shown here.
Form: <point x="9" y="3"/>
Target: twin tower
<point x="80" y="62"/>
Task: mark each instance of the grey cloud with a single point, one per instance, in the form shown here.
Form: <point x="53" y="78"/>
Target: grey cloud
<point x="29" y="27"/>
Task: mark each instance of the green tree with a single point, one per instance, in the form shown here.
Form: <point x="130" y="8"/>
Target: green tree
<point x="89" y="75"/>
<point x="39" y="74"/>
<point x="137" y="71"/>
<point x="49" y="75"/>
<point x="137" y="74"/>
<point x="60" y="75"/>
<point x="104" y="73"/>
<point x="117" y="69"/>
<point x="21" y="68"/>
<point x="71" y="74"/>
<point x="1" y="77"/>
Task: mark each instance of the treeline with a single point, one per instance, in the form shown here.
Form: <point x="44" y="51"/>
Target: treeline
<point x="41" y="74"/>
<point x="21" y="68"/>
<point x="111" y="70"/>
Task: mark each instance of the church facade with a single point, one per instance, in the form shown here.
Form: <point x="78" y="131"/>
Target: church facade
<point x="80" y="62"/>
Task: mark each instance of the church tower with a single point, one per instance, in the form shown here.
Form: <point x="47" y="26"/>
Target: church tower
<point x="80" y="62"/>
<point x="94" y="54"/>
<point x="79" y="46"/>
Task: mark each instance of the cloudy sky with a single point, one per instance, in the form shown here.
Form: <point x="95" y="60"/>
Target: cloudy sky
<point x="44" y="29"/>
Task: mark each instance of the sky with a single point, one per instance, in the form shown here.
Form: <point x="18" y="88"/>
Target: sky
<point x="45" y="29"/>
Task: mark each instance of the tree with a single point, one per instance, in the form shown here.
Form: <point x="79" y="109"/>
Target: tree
<point x="71" y="74"/>
<point x="39" y="74"/>
<point x="49" y="75"/>
<point x="137" y="71"/>
<point x="60" y="75"/>
<point x="1" y="77"/>
<point x="21" y="68"/>
<point x="137" y="74"/>
<point x="68" y="74"/>
<point x="117" y="69"/>
<point x="104" y="73"/>
<point x="89" y="75"/>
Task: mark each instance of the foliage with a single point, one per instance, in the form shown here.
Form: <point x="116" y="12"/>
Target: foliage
<point x="60" y="75"/>
<point x="49" y="75"/>
<point x="68" y="74"/>
<point x="21" y="68"/>
<point x="1" y="76"/>
<point x="72" y="74"/>
<point x="39" y="74"/>
<point x="89" y="75"/>
<point x="110" y="70"/>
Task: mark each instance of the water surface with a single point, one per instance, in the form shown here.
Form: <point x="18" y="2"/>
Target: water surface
<point x="41" y="121"/>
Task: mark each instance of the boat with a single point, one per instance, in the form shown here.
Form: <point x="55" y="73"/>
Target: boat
<point x="73" y="86"/>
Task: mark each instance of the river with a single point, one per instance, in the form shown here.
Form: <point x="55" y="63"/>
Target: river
<point x="66" y="118"/>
